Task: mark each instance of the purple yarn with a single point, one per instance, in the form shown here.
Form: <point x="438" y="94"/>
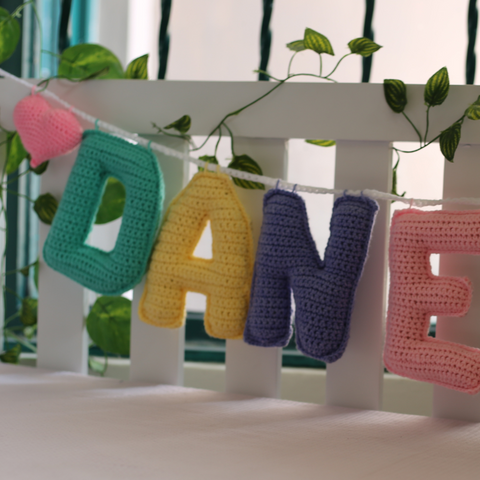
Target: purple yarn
<point x="287" y="261"/>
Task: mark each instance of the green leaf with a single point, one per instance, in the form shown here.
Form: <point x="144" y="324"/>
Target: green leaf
<point x="137" y="69"/>
<point x="182" y="125"/>
<point x="108" y="324"/>
<point x="297" y="46"/>
<point x="449" y="140"/>
<point x="96" y="366"/>
<point x="437" y="87"/>
<point x="16" y="153"/>
<point x="36" y="272"/>
<point x="322" y="143"/>
<point x="317" y="42"/>
<point x="473" y="111"/>
<point x="9" y="34"/>
<point x="113" y="202"/>
<point x="363" y="46"/>
<point x="208" y="158"/>
<point x="45" y="207"/>
<point x="28" y="311"/>
<point x="395" y="94"/>
<point x="244" y="163"/>
<point x="86" y="59"/>
<point x="12" y="355"/>
<point x="42" y="168"/>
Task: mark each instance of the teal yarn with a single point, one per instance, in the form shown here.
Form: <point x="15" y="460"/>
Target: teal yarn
<point x="108" y="273"/>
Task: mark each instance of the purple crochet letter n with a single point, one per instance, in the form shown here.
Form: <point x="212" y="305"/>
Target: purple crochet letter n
<point x="287" y="261"/>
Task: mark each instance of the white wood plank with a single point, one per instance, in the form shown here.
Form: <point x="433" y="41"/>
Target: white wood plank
<point x="356" y="379"/>
<point x="62" y="338"/>
<point x="295" y="110"/>
<point x="255" y="370"/>
<point x="460" y="180"/>
<point x="156" y="354"/>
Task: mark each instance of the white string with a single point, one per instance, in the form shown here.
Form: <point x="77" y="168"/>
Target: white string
<point x="271" y="182"/>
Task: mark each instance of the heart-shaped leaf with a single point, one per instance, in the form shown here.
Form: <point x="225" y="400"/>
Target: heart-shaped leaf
<point x="363" y="46"/>
<point x="16" y="153"/>
<point x="137" y="69"/>
<point x="12" y="355"/>
<point x="46" y="206"/>
<point x="28" y="311"/>
<point x="244" y="163"/>
<point x="437" y="87"/>
<point x="473" y="111"/>
<point x="322" y="143"/>
<point x="317" y="42"/>
<point x="108" y="324"/>
<point x="449" y="140"/>
<point x="113" y="202"/>
<point x="182" y="125"/>
<point x="297" y="46"/>
<point x="9" y="34"/>
<point x="86" y="59"/>
<point x="395" y="94"/>
<point x="209" y="159"/>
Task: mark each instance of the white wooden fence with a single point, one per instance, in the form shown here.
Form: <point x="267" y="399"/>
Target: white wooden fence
<point x="357" y="117"/>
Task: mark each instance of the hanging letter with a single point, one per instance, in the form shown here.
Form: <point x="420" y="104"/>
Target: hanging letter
<point x="287" y="261"/>
<point x="416" y="294"/>
<point x="225" y="279"/>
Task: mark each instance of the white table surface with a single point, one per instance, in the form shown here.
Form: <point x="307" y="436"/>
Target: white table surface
<point x="58" y="425"/>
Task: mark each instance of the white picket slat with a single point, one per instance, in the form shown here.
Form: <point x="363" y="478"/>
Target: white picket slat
<point x="157" y="353"/>
<point x="356" y="379"/>
<point x="460" y="180"/>
<point x="62" y="337"/>
<point x="255" y="370"/>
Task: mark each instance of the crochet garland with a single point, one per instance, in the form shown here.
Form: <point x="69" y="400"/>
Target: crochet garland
<point x="225" y="279"/>
<point x="109" y="273"/>
<point x="287" y="261"/>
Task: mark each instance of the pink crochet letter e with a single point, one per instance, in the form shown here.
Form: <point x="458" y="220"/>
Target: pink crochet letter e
<point x="416" y="294"/>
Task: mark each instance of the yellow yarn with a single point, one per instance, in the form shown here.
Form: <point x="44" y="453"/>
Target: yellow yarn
<point x="225" y="279"/>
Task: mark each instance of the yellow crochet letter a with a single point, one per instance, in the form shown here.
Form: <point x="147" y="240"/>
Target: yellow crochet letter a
<point x="225" y="279"/>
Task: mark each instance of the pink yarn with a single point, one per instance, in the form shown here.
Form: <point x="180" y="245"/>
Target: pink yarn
<point x="46" y="132"/>
<point x="416" y="294"/>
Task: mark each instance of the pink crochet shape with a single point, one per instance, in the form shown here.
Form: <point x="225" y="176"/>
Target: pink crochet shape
<point x="46" y="132"/>
<point x="416" y="294"/>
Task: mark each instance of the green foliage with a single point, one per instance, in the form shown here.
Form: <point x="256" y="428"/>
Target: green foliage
<point x="113" y="202"/>
<point x="317" y="42"/>
<point x="9" y="34"/>
<point x="244" y="163"/>
<point x="395" y="94"/>
<point x="449" y="140"/>
<point x="209" y="159"/>
<point x="137" y="69"/>
<point x="297" y="46"/>
<point x="322" y="143"/>
<point x="473" y="111"/>
<point x="97" y="366"/>
<point x="86" y="59"/>
<point x="12" y="355"/>
<point x="363" y="46"/>
<point x="45" y="207"/>
<point x="41" y="169"/>
<point x="437" y="87"/>
<point x="28" y="311"/>
<point x="108" y="324"/>
<point x="36" y="271"/>
<point x="16" y="153"/>
<point x="182" y="125"/>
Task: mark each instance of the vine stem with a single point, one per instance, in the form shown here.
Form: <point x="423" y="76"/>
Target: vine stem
<point x="218" y="141"/>
<point x="336" y="66"/>
<point x="427" y="124"/>
<point x="290" y="64"/>
<point x="321" y="64"/>
<point x="231" y="138"/>
<point x="414" y="127"/>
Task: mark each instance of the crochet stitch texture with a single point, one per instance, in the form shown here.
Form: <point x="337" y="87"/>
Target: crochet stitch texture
<point x="109" y="273"/>
<point x="287" y="261"/>
<point x="46" y="132"/>
<point x="416" y="294"/>
<point x="225" y="279"/>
